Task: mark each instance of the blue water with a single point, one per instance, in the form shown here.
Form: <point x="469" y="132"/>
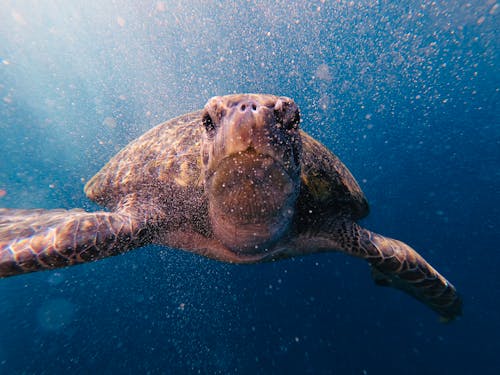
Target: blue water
<point x="406" y="93"/>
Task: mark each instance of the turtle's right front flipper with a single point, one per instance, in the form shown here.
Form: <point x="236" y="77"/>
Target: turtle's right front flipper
<point x="396" y="264"/>
<point x="393" y="263"/>
<point x="34" y="240"/>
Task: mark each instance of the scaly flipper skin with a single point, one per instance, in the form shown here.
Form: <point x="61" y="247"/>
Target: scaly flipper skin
<point x="34" y="240"/>
<point x="393" y="263"/>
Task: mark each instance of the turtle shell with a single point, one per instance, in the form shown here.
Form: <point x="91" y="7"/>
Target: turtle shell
<point x="163" y="166"/>
<point x="327" y="186"/>
<point x="163" y="163"/>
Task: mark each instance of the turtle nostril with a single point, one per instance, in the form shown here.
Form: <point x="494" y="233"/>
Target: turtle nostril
<point x="248" y="106"/>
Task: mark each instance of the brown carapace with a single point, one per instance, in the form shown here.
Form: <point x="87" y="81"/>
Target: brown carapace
<point x="238" y="182"/>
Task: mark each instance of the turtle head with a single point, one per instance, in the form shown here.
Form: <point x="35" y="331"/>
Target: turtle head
<point x="251" y="154"/>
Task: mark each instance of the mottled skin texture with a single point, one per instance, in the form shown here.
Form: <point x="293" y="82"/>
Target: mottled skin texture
<point x="238" y="182"/>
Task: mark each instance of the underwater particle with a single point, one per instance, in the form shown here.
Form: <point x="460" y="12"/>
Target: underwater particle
<point x="480" y="20"/>
<point x="160" y="6"/>
<point x="3" y="193"/>
<point x="55" y="314"/>
<point x="120" y="21"/>
<point x="324" y="102"/>
<point x="5" y="62"/>
<point x="18" y="17"/>
<point x="182" y="306"/>
<point x="323" y="72"/>
<point x="110" y="122"/>
<point x="139" y="298"/>
<point x="50" y="103"/>
<point x="55" y="278"/>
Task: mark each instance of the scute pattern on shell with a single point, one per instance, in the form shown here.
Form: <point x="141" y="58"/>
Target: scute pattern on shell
<point x="327" y="184"/>
<point x="165" y="157"/>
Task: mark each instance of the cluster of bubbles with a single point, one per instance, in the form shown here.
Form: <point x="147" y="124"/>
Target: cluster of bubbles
<point x="94" y="76"/>
<point x="56" y="314"/>
<point x="84" y="78"/>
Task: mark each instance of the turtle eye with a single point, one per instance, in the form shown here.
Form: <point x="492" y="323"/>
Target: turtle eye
<point x="208" y="124"/>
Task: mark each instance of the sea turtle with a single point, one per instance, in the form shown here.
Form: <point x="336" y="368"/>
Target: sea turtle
<point x="238" y="182"/>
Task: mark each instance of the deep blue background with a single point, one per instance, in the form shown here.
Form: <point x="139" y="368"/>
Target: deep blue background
<point x="406" y="93"/>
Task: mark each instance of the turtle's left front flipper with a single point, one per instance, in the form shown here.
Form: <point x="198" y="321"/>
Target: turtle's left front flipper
<point x="393" y="262"/>
<point x="34" y="240"/>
